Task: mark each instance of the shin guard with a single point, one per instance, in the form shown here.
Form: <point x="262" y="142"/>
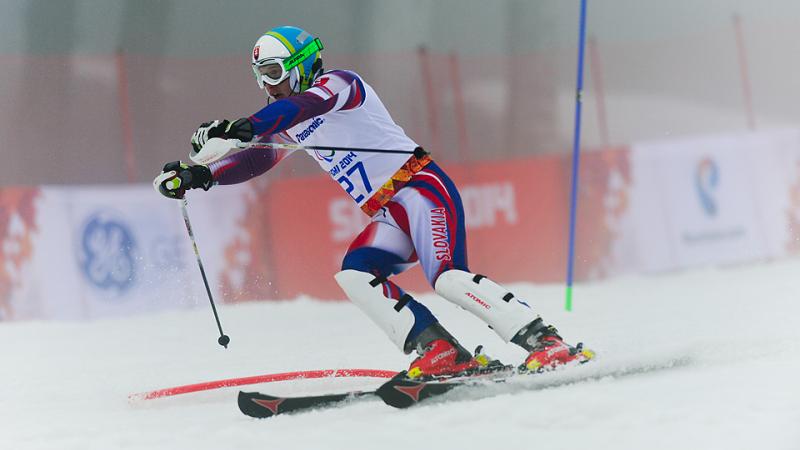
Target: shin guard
<point x="392" y="316"/>
<point x="492" y="303"/>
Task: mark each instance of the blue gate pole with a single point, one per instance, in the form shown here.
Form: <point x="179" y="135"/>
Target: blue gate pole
<point x="576" y="156"/>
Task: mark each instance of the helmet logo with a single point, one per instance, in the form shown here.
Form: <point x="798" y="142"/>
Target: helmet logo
<point x="255" y="53"/>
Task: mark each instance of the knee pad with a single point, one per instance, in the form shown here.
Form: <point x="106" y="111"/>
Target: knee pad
<point x="366" y="292"/>
<point x="492" y="303"/>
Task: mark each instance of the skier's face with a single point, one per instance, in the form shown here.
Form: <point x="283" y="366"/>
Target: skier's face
<point x="279" y="91"/>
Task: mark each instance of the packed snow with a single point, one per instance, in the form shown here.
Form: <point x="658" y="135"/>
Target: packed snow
<point x="707" y="359"/>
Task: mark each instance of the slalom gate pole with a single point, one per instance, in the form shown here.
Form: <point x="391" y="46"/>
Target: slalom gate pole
<point x="576" y="155"/>
<point x="223" y="338"/>
<point x="275" y="145"/>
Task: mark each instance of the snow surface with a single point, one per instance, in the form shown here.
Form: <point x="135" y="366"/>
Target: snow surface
<point x="715" y="356"/>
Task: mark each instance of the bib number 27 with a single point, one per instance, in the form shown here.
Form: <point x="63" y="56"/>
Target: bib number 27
<point x="346" y="181"/>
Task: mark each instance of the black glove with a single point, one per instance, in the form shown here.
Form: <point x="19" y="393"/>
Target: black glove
<point x="176" y="178"/>
<point x="241" y="129"/>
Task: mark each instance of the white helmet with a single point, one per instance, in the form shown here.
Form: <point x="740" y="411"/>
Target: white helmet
<point x="287" y="52"/>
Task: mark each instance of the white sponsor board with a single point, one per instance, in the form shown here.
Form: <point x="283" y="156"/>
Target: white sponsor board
<point x="114" y="251"/>
<point x="710" y="200"/>
<point x="103" y="252"/>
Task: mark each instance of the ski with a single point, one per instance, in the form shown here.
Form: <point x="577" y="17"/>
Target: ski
<point x="402" y="392"/>
<point x="262" y="406"/>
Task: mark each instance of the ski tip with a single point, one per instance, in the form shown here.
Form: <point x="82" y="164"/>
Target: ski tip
<point x="258" y="405"/>
<point x="404" y="392"/>
<point x="400" y="391"/>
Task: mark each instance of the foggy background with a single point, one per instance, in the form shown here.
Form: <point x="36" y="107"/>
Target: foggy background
<point x="687" y="239"/>
<point x="106" y="91"/>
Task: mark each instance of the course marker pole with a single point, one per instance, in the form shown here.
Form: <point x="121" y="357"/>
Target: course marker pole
<point x="576" y="155"/>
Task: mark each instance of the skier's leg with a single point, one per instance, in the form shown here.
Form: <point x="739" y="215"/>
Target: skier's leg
<point x="429" y="209"/>
<point x="436" y="221"/>
<point x="511" y="318"/>
<point x="381" y="250"/>
<point x="395" y="312"/>
<point x="491" y="302"/>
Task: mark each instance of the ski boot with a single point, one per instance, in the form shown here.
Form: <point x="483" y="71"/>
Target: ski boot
<point x="441" y="355"/>
<point x="546" y="349"/>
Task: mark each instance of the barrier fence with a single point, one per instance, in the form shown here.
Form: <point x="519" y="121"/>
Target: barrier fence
<point x="129" y="113"/>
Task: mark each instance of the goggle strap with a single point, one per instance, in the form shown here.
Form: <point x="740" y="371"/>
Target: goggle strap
<point x="302" y="54"/>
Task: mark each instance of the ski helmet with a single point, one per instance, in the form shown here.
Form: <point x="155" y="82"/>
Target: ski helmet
<point x="287" y="52"/>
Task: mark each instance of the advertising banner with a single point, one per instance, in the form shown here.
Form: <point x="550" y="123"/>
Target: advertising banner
<point x="304" y="226"/>
<point x="713" y="199"/>
<point x="295" y="232"/>
<point x="99" y="251"/>
<point x="89" y="252"/>
<point x="18" y="229"/>
<point x="604" y="223"/>
<point x="775" y="163"/>
<point x="109" y="251"/>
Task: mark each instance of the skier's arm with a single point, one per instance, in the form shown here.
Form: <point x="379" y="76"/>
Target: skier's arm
<point x="177" y="177"/>
<point x="245" y="165"/>
<point x="334" y="91"/>
<point x="337" y="90"/>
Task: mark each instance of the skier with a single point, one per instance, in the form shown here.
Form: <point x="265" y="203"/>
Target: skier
<point x="415" y="209"/>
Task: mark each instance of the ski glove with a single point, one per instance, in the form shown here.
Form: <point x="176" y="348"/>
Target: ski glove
<point x="241" y="129"/>
<point x="176" y="178"/>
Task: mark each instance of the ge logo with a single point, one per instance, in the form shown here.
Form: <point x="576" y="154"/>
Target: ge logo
<point x="107" y="253"/>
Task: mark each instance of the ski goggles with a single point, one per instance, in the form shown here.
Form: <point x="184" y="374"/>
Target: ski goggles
<point x="273" y="71"/>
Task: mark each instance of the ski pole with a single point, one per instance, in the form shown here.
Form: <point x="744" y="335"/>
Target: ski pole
<point x="276" y="145"/>
<point x="217" y="148"/>
<point x="223" y="338"/>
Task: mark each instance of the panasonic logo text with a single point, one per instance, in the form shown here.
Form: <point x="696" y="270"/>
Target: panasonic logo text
<point x="303" y="135"/>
